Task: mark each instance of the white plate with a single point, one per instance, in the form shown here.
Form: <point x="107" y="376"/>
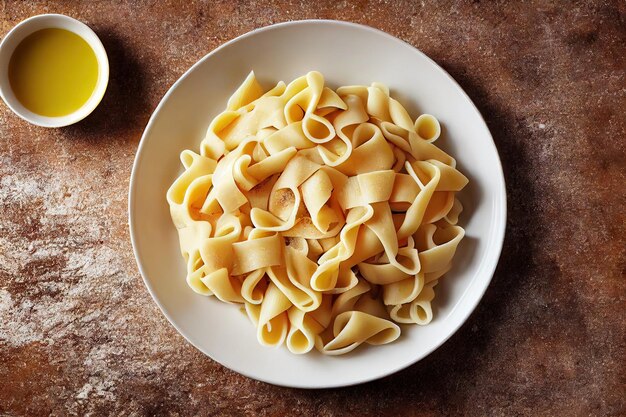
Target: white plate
<point x="346" y="54"/>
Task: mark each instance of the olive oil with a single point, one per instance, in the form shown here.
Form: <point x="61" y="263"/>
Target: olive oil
<point x="53" y="72"/>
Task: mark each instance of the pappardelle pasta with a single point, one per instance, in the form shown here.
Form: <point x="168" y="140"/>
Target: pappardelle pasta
<point x="330" y="215"/>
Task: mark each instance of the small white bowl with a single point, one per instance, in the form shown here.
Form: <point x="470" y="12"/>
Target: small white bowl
<point x="46" y="21"/>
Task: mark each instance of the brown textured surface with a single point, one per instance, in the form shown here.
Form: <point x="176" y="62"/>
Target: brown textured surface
<point x="80" y="334"/>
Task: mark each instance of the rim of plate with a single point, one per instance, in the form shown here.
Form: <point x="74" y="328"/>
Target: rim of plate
<point x="496" y="239"/>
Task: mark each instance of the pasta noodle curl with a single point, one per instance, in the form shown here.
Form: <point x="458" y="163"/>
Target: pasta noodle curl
<point x="330" y="215"/>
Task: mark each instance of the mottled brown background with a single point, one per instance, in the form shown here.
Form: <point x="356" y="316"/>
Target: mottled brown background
<point x="79" y="333"/>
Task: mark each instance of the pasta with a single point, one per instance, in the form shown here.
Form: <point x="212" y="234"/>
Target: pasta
<point x="330" y="215"/>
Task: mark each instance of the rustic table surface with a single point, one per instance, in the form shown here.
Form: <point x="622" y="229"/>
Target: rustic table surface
<point x="80" y="334"/>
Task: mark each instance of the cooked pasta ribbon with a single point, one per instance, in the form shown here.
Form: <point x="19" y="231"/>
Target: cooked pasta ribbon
<point x="329" y="214"/>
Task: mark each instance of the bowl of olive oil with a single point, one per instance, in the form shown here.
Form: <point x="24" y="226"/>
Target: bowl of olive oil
<point x="53" y="70"/>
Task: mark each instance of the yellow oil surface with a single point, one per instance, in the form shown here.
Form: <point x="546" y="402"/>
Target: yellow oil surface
<point x="53" y="72"/>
